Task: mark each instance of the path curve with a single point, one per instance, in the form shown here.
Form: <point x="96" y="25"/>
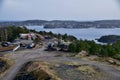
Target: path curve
<point x="22" y="57"/>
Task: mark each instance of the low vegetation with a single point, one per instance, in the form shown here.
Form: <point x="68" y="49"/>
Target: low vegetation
<point x="5" y="64"/>
<point x="36" y="71"/>
<point x="78" y="71"/>
<point x="89" y="71"/>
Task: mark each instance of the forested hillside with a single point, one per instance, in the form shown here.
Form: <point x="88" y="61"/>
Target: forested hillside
<point x="12" y="32"/>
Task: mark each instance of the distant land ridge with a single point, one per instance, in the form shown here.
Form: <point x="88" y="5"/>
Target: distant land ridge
<point x="64" y="24"/>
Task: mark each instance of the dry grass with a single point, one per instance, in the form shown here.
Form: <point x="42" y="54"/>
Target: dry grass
<point x="40" y="70"/>
<point x="7" y="48"/>
<point x="87" y="69"/>
<point x="90" y="71"/>
<point x="72" y="63"/>
<point x="8" y="65"/>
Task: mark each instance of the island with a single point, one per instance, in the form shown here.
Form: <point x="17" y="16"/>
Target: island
<point x="109" y="39"/>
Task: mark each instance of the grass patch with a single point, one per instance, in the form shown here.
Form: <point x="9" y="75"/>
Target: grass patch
<point x="37" y="71"/>
<point x="5" y="64"/>
<point x="72" y="63"/>
<point x="90" y="71"/>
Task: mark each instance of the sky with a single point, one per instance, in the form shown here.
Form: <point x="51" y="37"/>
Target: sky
<point x="80" y="10"/>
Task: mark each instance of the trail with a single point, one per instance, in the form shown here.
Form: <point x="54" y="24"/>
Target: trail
<point x="22" y="57"/>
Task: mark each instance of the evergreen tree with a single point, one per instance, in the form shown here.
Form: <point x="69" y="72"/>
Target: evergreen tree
<point x="72" y="48"/>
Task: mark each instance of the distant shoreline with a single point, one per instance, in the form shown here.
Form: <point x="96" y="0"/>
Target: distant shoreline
<point x="65" y="24"/>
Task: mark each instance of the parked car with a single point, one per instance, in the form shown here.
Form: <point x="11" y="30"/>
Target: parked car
<point x="5" y="44"/>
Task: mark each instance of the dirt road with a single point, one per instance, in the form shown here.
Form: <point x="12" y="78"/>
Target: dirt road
<point x="22" y="57"/>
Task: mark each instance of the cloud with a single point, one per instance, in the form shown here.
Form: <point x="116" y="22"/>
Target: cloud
<point x="1" y="3"/>
<point x="118" y="1"/>
<point x="59" y="9"/>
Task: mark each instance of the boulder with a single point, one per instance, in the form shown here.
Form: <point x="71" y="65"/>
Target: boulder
<point x="111" y="61"/>
<point x="93" y="58"/>
<point x="82" y="54"/>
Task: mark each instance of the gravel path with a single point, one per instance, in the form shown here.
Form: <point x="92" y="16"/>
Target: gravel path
<point x="22" y="57"/>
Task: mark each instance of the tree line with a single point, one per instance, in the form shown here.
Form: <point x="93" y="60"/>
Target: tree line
<point x="12" y="32"/>
<point x="108" y="50"/>
<point x="65" y="37"/>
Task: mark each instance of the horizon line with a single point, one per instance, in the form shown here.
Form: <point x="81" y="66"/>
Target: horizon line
<point x="59" y="20"/>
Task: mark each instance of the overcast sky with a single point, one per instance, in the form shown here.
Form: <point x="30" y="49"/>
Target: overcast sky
<point x="81" y="10"/>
